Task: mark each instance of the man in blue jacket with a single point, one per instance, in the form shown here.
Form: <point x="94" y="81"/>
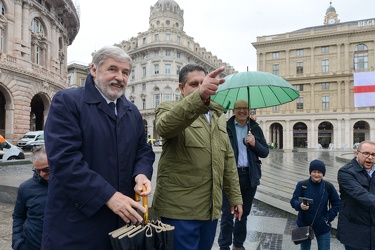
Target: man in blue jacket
<point x="356" y="224"/>
<point x="28" y="211"/>
<point x="98" y="155"/>
<point x="248" y="144"/>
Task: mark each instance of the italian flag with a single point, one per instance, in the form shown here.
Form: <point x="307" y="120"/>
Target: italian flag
<point x="364" y="89"/>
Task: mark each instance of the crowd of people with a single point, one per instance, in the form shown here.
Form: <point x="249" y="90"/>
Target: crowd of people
<point x="96" y="157"/>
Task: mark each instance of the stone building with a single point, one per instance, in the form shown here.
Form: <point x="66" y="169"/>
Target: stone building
<point x="34" y="37"/>
<point x="319" y="61"/>
<point x="158" y="55"/>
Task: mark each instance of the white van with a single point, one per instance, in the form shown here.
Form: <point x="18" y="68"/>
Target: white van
<point x="12" y="152"/>
<point x="31" y="139"/>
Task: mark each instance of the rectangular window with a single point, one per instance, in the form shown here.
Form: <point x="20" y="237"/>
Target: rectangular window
<point x="144" y="71"/>
<point x="156" y="100"/>
<point x="325" y="50"/>
<point x="299" y="103"/>
<point x="325" y="66"/>
<point x="156" y="68"/>
<point x="178" y="70"/>
<point x="167" y="69"/>
<point x="144" y="40"/>
<point x="167" y="53"/>
<point x="156" y="52"/>
<point x="144" y="104"/>
<point x="132" y="75"/>
<point x="325" y="85"/>
<point x="156" y="37"/>
<point x="178" y="54"/>
<point x="167" y="37"/>
<point x="275" y="69"/>
<point x="275" y="55"/>
<point x="178" y="39"/>
<point x="299" y="52"/>
<point x="143" y="86"/>
<point x="133" y="89"/>
<point x="325" y="102"/>
<point x="82" y="82"/>
<point x="167" y="97"/>
<point x="299" y="68"/>
<point x="299" y="87"/>
<point x="276" y="108"/>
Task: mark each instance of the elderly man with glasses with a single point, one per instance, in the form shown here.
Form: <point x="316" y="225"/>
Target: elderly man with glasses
<point x="28" y="211"/>
<point x="356" y="223"/>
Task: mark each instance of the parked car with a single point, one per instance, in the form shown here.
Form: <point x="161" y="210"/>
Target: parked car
<point x="31" y="139"/>
<point x="158" y="142"/>
<point x="11" y="152"/>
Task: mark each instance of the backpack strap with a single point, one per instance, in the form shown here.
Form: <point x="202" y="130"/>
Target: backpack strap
<point x="329" y="187"/>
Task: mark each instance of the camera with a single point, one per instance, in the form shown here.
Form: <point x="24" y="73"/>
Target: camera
<point x="306" y="201"/>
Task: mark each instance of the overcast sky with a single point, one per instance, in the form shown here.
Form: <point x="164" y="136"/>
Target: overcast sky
<point x="225" y="28"/>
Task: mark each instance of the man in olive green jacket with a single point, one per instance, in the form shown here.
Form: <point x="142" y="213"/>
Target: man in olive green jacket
<point x="197" y="161"/>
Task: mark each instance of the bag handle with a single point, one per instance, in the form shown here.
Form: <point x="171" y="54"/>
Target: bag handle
<point x="144" y="203"/>
<point x="324" y="189"/>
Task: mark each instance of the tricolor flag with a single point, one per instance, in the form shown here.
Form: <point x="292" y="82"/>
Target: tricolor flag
<point x="364" y="89"/>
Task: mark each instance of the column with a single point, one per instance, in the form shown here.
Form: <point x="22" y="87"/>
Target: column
<point x="339" y="101"/>
<point x="346" y="66"/>
<point x="287" y="52"/>
<point x="312" y="137"/>
<point x="312" y="105"/>
<point x="348" y="141"/>
<point x="288" y="135"/>
<point x="25" y="23"/>
<point x="17" y="27"/>
<point x="312" y="58"/>
<point x="346" y="97"/>
<point x="264" y="62"/>
<point x="338" y="62"/>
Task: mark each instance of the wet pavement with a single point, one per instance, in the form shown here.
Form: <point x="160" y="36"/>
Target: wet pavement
<point x="271" y="217"/>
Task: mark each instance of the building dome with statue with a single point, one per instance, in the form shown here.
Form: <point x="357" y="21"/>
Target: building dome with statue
<point x="34" y="37"/>
<point x="158" y="55"/>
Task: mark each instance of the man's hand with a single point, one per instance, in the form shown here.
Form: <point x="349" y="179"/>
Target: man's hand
<point x="236" y="211"/>
<point x="140" y="181"/>
<point x="125" y="207"/>
<point x="210" y="84"/>
<point x="250" y="139"/>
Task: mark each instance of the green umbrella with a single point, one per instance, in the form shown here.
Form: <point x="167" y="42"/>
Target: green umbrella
<point x="259" y="89"/>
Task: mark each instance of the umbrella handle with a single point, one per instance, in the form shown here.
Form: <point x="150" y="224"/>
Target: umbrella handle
<point x="144" y="203"/>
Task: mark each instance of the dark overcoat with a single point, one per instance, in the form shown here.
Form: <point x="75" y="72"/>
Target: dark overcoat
<point x="92" y="154"/>
<point x="356" y="224"/>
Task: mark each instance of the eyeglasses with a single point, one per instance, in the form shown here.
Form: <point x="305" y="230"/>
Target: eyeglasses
<point x="44" y="170"/>
<point x="367" y="154"/>
<point x="242" y="109"/>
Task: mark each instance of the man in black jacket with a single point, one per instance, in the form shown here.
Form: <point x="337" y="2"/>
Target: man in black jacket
<point x="356" y="223"/>
<point x="248" y="144"/>
<point x="28" y="211"/>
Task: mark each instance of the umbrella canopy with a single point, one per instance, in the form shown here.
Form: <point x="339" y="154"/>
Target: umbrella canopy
<point x="259" y="89"/>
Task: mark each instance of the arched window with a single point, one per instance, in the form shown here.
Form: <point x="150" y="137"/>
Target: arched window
<point x="38" y="42"/>
<point x="167" y="94"/>
<point x="177" y="94"/>
<point x="156" y="95"/>
<point x="360" y="57"/>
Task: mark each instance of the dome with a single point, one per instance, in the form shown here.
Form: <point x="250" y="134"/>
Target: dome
<point x="166" y="13"/>
<point x="330" y="8"/>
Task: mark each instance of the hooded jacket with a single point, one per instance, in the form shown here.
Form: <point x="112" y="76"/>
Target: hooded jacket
<point x="28" y="213"/>
<point x="197" y="161"/>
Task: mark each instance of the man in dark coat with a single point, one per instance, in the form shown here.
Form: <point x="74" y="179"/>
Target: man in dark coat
<point x="356" y="223"/>
<point x="28" y="211"/>
<point x="248" y="144"/>
<point x="98" y="157"/>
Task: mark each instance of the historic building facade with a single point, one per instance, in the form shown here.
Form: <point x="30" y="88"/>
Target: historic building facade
<point x="319" y="61"/>
<point x="158" y="55"/>
<point x="35" y="35"/>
